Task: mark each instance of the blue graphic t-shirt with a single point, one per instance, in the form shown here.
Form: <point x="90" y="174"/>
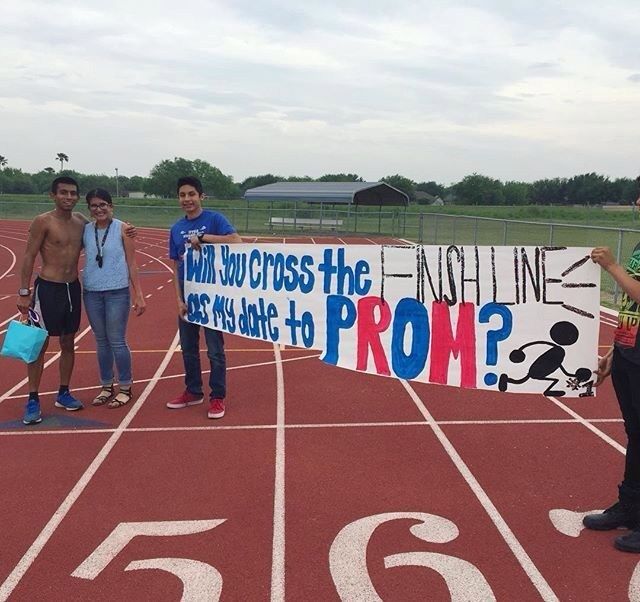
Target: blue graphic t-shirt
<point x="208" y="222"/>
<point x="626" y="336"/>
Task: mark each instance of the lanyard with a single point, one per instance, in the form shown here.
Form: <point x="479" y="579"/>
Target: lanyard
<point x="100" y="246"/>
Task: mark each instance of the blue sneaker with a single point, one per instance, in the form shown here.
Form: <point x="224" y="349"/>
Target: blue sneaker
<point x="68" y="402"/>
<point x="32" y="412"/>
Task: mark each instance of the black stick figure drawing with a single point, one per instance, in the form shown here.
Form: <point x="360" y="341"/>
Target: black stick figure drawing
<point x="562" y="334"/>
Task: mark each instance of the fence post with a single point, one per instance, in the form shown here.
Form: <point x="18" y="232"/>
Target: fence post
<point x="421" y="228"/>
<point x="246" y="219"/>
<point x="504" y="232"/>
<point x="616" y="289"/>
<point x="551" y="235"/>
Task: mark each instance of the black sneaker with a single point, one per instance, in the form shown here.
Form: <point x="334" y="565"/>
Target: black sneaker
<point x="613" y="517"/>
<point x="628" y="543"/>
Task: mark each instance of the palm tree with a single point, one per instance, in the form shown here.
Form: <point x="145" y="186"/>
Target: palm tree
<point x="3" y="162"/>
<point x="62" y="158"/>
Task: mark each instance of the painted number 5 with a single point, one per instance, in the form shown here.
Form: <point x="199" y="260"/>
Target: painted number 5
<point x="200" y="581"/>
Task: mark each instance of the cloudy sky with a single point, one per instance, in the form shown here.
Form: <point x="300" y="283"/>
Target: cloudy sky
<point x="433" y="90"/>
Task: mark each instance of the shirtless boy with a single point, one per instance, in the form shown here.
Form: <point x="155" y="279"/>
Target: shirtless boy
<point x="57" y="237"/>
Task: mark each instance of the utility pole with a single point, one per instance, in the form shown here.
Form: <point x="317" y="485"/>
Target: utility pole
<point x="117" y="189"/>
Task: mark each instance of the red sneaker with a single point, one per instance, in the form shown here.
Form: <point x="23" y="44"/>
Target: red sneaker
<point x="185" y="399"/>
<point x="216" y="409"/>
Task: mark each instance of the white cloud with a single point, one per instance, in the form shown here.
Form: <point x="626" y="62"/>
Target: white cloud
<point x="431" y="90"/>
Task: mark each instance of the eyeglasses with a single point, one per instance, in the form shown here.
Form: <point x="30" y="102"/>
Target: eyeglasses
<point x="99" y="206"/>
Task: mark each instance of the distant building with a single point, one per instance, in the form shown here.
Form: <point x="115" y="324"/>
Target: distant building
<point x="336" y="193"/>
<point x="138" y="194"/>
<point x="424" y="198"/>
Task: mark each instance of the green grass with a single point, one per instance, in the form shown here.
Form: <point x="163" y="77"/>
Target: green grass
<point x="527" y="225"/>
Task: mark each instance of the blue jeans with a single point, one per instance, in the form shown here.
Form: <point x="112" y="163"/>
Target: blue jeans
<point x="108" y="313"/>
<point x="190" y="343"/>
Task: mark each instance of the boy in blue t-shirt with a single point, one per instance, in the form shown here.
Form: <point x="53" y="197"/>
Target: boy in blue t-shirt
<point x="196" y="227"/>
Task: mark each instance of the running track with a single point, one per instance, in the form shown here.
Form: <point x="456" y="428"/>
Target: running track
<point x="319" y="483"/>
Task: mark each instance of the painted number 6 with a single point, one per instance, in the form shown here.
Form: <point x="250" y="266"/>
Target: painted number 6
<point x="348" y="559"/>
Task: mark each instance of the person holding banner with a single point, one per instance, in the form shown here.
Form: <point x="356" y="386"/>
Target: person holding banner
<point x="622" y="362"/>
<point x="110" y="265"/>
<point x="196" y="227"/>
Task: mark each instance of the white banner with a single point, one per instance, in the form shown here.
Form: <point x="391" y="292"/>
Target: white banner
<point x="517" y="319"/>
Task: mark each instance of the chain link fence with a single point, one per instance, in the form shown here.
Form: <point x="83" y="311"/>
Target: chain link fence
<point x="295" y="219"/>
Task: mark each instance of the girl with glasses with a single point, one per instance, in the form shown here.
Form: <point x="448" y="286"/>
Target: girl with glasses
<point x="110" y="267"/>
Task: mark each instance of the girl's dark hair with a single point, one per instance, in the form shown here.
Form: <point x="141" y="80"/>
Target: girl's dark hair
<point x="99" y="193"/>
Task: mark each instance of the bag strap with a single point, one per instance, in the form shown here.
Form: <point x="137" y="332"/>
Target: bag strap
<point x="32" y="317"/>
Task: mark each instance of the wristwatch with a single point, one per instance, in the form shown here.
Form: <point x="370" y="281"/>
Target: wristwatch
<point x="24" y="292"/>
<point x="200" y="236"/>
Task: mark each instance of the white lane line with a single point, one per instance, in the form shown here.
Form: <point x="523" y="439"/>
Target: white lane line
<point x="169" y="268"/>
<point x="13" y="317"/>
<point x="538" y="581"/>
<point x="277" y="557"/>
<point x="54" y="522"/>
<point x="287" y="427"/>
<point x="159" y="288"/>
<point x="24" y="381"/>
<point x="5" y="297"/>
<point x="588" y="424"/>
<point x="13" y="262"/>
<point x="181" y="374"/>
<point x="147" y="296"/>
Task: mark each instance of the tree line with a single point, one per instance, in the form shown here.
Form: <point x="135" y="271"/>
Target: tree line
<point x="474" y="189"/>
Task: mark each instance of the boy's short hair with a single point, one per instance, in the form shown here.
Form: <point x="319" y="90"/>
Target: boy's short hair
<point x="190" y="181"/>
<point x="63" y="180"/>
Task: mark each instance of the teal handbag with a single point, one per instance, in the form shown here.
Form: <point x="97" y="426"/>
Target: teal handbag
<point x="24" y="340"/>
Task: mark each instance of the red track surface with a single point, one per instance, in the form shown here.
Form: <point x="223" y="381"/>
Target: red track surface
<point x="312" y="480"/>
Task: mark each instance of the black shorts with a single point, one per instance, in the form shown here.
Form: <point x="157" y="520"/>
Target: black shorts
<point x="58" y="304"/>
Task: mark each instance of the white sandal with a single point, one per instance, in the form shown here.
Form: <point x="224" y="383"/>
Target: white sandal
<point x="105" y="395"/>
